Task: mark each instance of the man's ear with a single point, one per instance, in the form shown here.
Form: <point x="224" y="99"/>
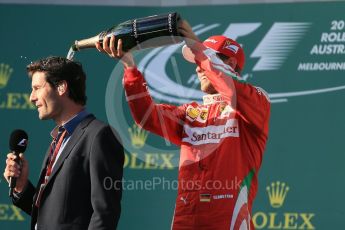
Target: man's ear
<point x="62" y="87"/>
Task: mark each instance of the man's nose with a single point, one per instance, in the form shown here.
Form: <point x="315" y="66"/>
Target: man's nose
<point x="33" y="97"/>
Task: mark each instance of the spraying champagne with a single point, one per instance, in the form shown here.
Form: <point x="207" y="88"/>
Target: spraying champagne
<point x="135" y="32"/>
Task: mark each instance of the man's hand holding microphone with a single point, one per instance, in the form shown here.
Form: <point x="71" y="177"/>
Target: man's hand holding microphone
<point x="17" y="168"/>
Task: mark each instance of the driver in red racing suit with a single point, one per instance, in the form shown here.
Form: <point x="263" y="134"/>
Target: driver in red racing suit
<point x="222" y="140"/>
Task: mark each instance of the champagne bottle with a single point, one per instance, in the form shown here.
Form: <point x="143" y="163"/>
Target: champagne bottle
<point x="134" y="32"/>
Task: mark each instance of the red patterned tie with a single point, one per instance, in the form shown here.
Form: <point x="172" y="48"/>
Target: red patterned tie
<point x="54" y="150"/>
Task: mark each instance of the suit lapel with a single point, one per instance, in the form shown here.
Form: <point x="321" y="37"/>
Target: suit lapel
<point x="76" y="135"/>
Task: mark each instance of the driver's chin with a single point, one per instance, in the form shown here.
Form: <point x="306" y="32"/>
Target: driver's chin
<point x="207" y="88"/>
<point x="43" y="116"/>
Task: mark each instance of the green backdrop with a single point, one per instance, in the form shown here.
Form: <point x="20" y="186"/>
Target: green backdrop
<point x="296" y="52"/>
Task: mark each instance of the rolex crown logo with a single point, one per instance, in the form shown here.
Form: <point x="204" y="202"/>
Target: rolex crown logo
<point x="277" y="193"/>
<point x="5" y="74"/>
<point x="138" y="136"/>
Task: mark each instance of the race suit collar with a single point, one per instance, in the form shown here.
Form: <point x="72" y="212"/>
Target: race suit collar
<point x="212" y="98"/>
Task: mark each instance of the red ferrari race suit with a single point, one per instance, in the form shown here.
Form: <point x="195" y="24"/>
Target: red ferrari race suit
<point x="222" y="143"/>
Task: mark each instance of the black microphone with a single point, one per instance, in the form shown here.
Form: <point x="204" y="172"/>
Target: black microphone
<point x="18" y="142"/>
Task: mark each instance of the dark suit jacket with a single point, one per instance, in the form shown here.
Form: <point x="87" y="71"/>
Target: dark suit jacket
<point x="83" y="191"/>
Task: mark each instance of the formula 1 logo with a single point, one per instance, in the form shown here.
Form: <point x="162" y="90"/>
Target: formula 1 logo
<point x="277" y="44"/>
<point x="269" y="55"/>
<point x="23" y="143"/>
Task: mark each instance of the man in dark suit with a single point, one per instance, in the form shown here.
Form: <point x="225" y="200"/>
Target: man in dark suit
<point x="80" y="182"/>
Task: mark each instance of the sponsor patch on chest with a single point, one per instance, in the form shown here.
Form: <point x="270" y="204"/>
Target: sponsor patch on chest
<point x="212" y="133"/>
<point x="225" y="110"/>
<point x="196" y="114"/>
